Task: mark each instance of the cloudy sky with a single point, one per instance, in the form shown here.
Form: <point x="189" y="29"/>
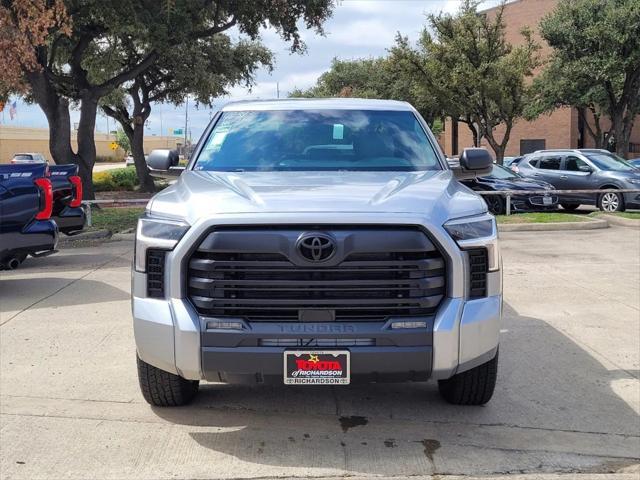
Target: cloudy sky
<point x="358" y="28"/>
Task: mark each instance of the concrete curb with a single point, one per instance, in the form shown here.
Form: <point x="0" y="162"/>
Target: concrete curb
<point x="548" y="227"/>
<point x="94" y="235"/>
<point x="118" y="237"/>
<point x="620" y="221"/>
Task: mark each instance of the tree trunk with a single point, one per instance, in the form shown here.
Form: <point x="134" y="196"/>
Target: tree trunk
<point x="499" y="148"/>
<point x="622" y="145"/>
<point x="134" y="130"/>
<point x="141" y="111"/>
<point x="596" y="136"/>
<point x="475" y="131"/>
<point x="56" y="109"/>
<point x="86" y="156"/>
<point x="137" y="150"/>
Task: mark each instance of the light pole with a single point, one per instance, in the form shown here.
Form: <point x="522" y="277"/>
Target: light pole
<point x="186" y="117"/>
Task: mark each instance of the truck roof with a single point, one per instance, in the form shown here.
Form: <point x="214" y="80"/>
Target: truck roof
<point x="318" y="104"/>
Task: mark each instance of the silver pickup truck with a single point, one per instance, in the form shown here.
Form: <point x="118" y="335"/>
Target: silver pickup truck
<point x="317" y="242"/>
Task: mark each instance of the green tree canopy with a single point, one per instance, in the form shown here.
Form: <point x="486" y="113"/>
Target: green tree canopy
<point x="203" y="70"/>
<point x="478" y="77"/>
<point x="148" y="30"/>
<point x="122" y="139"/>
<point x="595" y="66"/>
<point x="380" y="77"/>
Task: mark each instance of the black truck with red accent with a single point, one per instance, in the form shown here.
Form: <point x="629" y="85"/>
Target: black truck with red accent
<point x="67" y="199"/>
<point x="36" y="202"/>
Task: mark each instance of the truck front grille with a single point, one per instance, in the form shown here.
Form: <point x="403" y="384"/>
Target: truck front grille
<point x="260" y="276"/>
<point x="478" y="267"/>
<point x="155" y="273"/>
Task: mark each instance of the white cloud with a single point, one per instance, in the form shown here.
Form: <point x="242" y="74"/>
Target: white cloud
<point x="371" y="32"/>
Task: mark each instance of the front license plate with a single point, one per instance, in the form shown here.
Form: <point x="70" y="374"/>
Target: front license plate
<point x="547" y="200"/>
<point x="312" y="367"/>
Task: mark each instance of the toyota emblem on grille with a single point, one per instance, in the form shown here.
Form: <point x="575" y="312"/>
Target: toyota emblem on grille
<point x="316" y="247"/>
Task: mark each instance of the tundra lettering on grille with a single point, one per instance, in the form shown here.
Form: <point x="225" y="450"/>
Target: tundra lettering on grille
<point x="262" y="274"/>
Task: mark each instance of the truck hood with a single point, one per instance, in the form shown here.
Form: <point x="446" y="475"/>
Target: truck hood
<point x="436" y="195"/>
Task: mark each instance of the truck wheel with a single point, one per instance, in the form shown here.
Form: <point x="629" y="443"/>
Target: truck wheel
<point x="164" y="389"/>
<point x="570" y="206"/>
<point x="473" y="387"/>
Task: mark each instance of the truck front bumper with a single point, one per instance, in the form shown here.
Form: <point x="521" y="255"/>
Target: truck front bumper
<point x="173" y="337"/>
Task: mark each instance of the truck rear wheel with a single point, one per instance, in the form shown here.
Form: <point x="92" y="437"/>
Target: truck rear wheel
<point x="473" y="387"/>
<point x="164" y="389"/>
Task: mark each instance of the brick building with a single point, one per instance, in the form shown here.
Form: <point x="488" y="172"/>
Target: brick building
<point x="561" y="129"/>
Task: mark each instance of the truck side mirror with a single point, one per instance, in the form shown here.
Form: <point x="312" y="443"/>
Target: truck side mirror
<point x="164" y="163"/>
<point x="585" y="168"/>
<point x="474" y="162"/>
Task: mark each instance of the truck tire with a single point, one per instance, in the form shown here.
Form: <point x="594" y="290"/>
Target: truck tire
<point x="570" y="206"/>
<point x="473" y="387"/>
<point x="164" y="389"/>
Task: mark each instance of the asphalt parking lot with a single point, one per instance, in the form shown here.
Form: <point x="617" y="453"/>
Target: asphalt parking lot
<point x="568" y="395"/>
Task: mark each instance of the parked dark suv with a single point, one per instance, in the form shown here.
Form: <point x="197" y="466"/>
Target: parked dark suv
<point x="585" y="169"/>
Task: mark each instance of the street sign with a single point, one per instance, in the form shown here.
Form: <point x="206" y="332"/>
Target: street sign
<point x="113" y="146"/>
<point x="178" y="131"/>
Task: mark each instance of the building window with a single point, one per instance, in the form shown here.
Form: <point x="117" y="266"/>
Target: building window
<point x="528" y="145"/>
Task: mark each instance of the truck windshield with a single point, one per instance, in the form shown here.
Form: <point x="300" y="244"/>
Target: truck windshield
<point x="296" y="140"/>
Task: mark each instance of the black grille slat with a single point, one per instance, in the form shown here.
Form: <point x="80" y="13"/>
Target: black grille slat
<point x="310" y="302"/>
<point x="406" y="280"/>
<point x="317" y="342"/>
<point x="478" y="268"/>
<point x="206" y="265"/>
<point x="155" y="273"/>
<point x="203" y="283"/>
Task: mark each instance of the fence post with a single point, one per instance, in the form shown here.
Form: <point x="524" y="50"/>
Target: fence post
<point x="88" y="214"/>
<point x="508" y="204"/>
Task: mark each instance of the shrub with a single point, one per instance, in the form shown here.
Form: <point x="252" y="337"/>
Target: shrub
<point x="117" y="179"/>
<point x="107" y="159"/>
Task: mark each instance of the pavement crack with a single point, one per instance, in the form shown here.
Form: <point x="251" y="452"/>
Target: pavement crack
<point x="342" y="443"/>
<point x="396" y="420"/>
<point x="89" y="400"/>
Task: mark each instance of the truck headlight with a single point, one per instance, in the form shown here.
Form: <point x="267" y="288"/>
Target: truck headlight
<point x="156" y="232"/>
<point x="474" y="232"/>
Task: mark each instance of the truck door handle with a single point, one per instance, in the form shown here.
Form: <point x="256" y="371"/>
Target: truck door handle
<point x="563" y="176"/>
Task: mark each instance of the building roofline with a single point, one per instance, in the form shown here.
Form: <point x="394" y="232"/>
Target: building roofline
<point x="506" y="4"/>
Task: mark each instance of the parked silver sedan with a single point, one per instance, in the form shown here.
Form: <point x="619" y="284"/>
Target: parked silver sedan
<point x="24" y="158"/>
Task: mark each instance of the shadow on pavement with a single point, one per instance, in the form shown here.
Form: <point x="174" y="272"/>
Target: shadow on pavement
<point x="547" y="385"/>
<point x="72" y="262"/>
<point x="19" y="293"/>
